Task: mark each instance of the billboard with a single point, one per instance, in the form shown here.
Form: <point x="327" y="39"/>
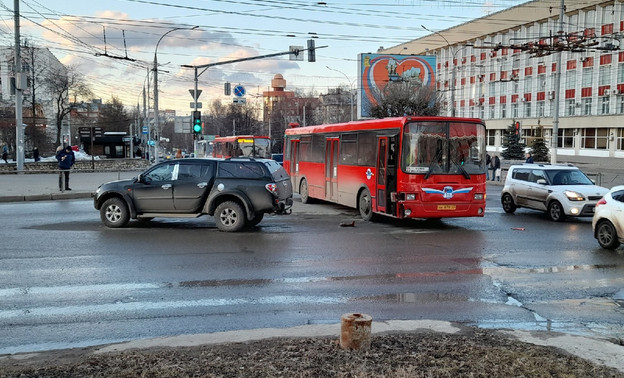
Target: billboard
<point x="375" y="71"/>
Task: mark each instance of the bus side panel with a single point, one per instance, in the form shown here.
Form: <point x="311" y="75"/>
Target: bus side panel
<point x="350" y="180"/>
<point x="314" y="173"/>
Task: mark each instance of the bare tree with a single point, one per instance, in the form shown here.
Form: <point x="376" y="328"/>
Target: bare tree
<point x="404" y="98"/>
<point x="113" y="116"/>
<point x="64" y="86"/>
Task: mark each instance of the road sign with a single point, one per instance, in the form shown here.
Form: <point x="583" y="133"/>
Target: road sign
<point x="296" y="53"/>
<point x="145" y="130"/>
<point x="199" y="105"/>
<point x="239" y="100"/>
<point x="194" y="94"/>
<point x="239" y="91"/>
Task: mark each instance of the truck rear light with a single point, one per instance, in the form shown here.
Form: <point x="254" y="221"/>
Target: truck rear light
<point x="272" y="187"/>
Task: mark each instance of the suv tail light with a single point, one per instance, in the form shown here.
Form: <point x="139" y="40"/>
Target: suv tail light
<point x="272" y="187"/>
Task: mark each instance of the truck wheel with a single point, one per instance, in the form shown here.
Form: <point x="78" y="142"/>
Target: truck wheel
<point x="229" y="216"/>
<point x="114" y="213"/>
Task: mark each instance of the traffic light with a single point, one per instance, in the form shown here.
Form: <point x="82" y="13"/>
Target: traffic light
<point x="197" y="122"/>
<point x="311" y="51"/>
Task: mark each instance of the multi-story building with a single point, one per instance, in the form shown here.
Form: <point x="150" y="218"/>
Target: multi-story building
<point x="503" y="68"/>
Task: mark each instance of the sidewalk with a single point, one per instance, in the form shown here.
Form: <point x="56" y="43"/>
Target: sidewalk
<point x="44" y="186"/>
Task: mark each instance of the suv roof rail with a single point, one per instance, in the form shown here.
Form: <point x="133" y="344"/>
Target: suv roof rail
<point x="241" y="157"/>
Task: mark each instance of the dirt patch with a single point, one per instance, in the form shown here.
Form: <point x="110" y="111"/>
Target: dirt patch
<point x="474" y="353"/>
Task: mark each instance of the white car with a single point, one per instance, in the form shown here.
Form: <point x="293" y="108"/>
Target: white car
<point x="608" y="220"/>
<point x="559" y="190"/>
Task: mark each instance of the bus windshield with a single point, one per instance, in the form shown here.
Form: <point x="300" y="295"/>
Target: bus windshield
<point x="254" y="147"/>
<point x="431" y="148"/>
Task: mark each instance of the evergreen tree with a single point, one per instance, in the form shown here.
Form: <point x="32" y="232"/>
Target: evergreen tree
<point x="513" y="149"/>
<point x="539" y="149"/>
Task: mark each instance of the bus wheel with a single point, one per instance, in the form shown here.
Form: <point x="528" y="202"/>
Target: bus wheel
<point x="303" y="191"/>
<point x="365" y="206"/>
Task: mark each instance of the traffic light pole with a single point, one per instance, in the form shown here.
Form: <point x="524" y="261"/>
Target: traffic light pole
<point x="311" y="57"/>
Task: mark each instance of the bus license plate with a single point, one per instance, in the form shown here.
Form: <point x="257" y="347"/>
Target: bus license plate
<point x="446" y="207"/>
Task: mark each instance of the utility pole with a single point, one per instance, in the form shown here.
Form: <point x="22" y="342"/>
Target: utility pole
<point x="19" y="128"/>
<point x="555" y="131"/>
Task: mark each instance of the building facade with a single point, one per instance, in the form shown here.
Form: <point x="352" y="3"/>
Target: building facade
<point x="504" y="68"/>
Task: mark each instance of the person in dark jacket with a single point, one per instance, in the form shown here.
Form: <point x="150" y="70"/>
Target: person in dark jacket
<point x="497" y="168"/>
<point x="36" y="154"/>
<point x="529" y="158"/>
<point x="66" y="159"/>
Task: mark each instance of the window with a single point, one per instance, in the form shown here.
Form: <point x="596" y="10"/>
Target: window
<point x="570" y="80"/>
<point x="620" y="104"/>
<point x="160" y="173"/>
<point x="604" y="75"/>
<point x="503" y="110"/>
<point x="540" y="108"/>
<point x="604" y="104"/>
<point x="527" y="109"/>
<point x="514" y="110"/>
<point x="565" y="138"/>
<point x="348" y="149"/>
<point x="595" y="138"/>
<point x="587" y="80"/>
<point x="619" y="141"/>
<point x="570" y="107"/>
<point x="587" y="106"/>
<point x="367" y="144"/>
<point x="240" y="169"/>
<point x="491" y="137"/>
<point x="620" y="71"/>
<point x="492" y="108"/>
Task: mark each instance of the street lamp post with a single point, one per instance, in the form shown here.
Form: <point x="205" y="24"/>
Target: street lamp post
<point x="350" y="87"/>
<point x="452" y="50"/>
<point x="156" y="116"/>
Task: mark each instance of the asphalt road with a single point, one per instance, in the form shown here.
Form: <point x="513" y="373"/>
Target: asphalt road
<point x="68" y="281"/>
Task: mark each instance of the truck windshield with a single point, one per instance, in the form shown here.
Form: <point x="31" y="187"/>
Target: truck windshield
<point x="443" y="148"/>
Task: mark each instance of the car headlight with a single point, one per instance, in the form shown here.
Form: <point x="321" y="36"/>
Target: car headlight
<point x="574" y="196"/>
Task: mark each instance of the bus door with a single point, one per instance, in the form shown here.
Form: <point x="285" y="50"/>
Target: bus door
<point x="380" y="183"/>
<point x="294" y="163"/>
<point x="331" y="169"/>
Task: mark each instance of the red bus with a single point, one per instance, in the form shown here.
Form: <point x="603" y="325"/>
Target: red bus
<point x="242" y="145"/>
<point x="405" y="167"/>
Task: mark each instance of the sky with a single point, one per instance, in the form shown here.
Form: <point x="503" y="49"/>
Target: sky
<point x="112" y="43"/>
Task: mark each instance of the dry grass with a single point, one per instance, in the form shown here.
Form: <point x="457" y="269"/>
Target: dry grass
<point x="475" y="353"/>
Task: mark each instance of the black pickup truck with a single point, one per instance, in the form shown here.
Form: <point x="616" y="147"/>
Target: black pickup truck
<point x="237" y="192"/>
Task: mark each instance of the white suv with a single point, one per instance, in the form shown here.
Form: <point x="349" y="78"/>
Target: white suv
<point x="559" y="190"/>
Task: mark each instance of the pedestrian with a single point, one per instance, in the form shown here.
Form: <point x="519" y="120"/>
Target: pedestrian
<point x="492" y="167"/>
<point x="66" y="159"/>
<point x="488" y="161"/>
<point x="5" y="152"/>
<point x="178" y="154"/>
<point x="529" y="158"/>
<point x="497" y="168"/>
<point x="36" y="154"/>
<point x="138" y="153"/>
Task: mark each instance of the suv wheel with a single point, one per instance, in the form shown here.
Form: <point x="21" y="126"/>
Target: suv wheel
<point x="230" y="216"/>
<point x="256" y="219"/>
<point x="508" y="203"/>
<point x="555" y="211"/>
<point x="365" y="205"/>
<point x="114" y="213"/>
<point x="606" y="235"/>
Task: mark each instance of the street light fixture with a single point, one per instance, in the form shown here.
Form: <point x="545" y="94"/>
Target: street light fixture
<point x="156" y="117"/>
<point x="351" y="94"/>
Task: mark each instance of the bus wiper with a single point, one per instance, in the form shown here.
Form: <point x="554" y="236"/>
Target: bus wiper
<point x="462" y="170"/>
<point x="437" y="157"/>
